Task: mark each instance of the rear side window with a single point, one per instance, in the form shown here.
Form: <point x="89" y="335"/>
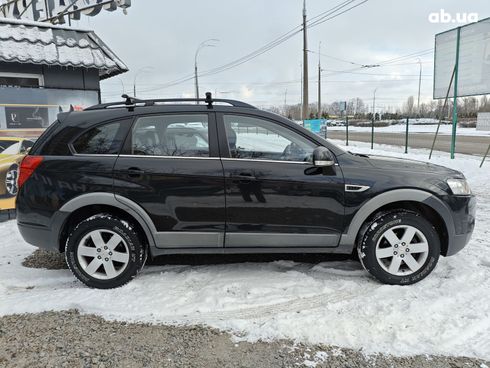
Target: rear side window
<point x="103" y="139"/>
<point x="171" y="135"/>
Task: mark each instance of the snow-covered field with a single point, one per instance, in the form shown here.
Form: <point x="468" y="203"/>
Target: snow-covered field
<point x="331" y="302"/>
<point x="415" y="128"/>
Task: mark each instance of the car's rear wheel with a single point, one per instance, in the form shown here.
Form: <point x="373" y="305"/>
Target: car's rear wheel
<point x="105" y="252"/>
<point x="399" y="247"/>
<point x="11" y="177"/>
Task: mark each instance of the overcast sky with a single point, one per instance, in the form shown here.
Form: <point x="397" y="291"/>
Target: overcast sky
<point x="159" y="39"/>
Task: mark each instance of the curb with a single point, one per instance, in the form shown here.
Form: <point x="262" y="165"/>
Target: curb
<point x="6" y="215"/>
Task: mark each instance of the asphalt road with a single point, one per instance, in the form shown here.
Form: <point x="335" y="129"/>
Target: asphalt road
<point x="473" y="145"/>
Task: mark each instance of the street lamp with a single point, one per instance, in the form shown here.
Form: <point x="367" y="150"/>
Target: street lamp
<point x="144" y="69"/>
<point x="420" y="82"/>
<point x="208" y="43"/>
<point x="374" y="118"/>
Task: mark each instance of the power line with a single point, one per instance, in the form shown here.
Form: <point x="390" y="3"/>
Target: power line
<point x="335" y="58"/>
<point x="409" y="56"/>
<point x="329" y="14"/>
<point x="333" y="72"/>
<point x="324" y="19"/>
<point x="292" y="82"/>
<point x="387" y="62"/>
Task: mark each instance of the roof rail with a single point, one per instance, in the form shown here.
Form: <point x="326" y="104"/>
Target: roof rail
<point x="132" y="102"/>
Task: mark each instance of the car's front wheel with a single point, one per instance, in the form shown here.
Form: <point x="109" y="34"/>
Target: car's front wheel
<point x="399" y="247"/>
<point x="105" y="252"/>
<point x="11" y="177"/>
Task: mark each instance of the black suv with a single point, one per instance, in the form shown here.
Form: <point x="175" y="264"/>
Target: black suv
<point x="118" y="182"/>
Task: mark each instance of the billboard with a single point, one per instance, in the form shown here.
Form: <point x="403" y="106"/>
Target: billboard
<point x="313" y="125"/>
<point x="20" y="117"/>
<point x="29" y="108"/>
<point x="474" y="60"/>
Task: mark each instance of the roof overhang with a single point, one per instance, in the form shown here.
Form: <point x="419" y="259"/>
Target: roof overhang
<point x="45" y="44"/>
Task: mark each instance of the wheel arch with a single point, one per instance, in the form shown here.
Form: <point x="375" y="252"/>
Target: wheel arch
<point x="90" y="204"/>
<point x="421" y="201"/>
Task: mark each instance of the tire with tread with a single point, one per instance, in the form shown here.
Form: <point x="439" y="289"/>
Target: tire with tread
<point x="373" y="230"/>
<point x="137" y="250"/>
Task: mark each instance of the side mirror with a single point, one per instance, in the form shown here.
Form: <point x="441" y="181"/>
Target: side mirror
<point x="322" y="157"/>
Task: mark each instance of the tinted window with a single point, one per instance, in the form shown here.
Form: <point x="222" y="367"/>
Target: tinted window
<point x="254" y="138"/>
<point x="171" y="135"/>
<point x="103" y="139"/>
<point x="20" y="81"/>
<point x="4" y="144"/>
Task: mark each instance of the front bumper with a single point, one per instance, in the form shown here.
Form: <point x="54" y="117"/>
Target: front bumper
<point x="463" y="209"/>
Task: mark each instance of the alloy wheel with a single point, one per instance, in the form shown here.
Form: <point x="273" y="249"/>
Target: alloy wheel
<point x="11" y="181"/>
<point x="402" y="250"/>
<point x="103" y="254"/>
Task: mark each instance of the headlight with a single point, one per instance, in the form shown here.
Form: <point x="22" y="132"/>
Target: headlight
<point x="459" y="186"/>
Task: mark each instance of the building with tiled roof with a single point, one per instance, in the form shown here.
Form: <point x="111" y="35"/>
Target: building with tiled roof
<point x="46" y="69"/>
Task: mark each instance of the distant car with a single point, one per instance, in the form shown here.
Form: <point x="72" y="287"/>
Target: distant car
<point x="12" y="151"/>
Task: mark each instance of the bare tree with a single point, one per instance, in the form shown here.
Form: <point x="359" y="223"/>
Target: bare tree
<point x="408" y="107"/>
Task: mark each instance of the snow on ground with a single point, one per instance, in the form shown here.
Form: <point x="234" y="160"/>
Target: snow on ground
<point x="415" y="128"/>
<point x="331" y="302"/>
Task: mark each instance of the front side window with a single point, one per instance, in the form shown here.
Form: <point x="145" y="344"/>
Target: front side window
<point x="103" y="139"/>
<point x="171" y="135"/>
<point x="258" y="139"/>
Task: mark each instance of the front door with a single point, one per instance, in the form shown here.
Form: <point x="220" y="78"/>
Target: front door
<point x="275" y="197"/>
<point x="170" y="166"/>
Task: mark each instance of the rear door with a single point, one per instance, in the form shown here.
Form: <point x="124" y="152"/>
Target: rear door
<point x="170" y="166"/>
<point x="275" y="196"/>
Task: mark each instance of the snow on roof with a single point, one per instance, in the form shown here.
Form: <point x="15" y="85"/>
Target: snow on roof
<point x="46" y="44"/>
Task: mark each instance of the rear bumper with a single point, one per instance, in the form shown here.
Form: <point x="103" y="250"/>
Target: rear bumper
<point x="39" y="236"/>
<point x="45" y="237"/>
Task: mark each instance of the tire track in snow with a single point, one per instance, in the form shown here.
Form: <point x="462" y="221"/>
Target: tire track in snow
<point x="257" y="312"/>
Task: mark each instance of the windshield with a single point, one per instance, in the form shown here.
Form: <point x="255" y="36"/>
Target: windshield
<point x="9" y="147"/>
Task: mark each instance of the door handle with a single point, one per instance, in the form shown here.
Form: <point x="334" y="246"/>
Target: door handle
<point x="134" y="172"/>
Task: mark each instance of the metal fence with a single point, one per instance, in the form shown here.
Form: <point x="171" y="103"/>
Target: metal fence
<point x="407" y="134"/>
<point x="410" y="134"/>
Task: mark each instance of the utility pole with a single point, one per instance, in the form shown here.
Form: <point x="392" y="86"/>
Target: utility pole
<point x="319" y="82"/>
<point x="420" y="82"/>
<point x="305" y="65"/>
<point x="301" y="105"/>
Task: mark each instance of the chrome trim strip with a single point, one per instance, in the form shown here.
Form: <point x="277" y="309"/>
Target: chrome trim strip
<point x="356" y="188"/>
<point x="322" y="163"/>
<point x="273" y="161"/>
<point x="94" y="155"/>
<point x="167" y="157"/>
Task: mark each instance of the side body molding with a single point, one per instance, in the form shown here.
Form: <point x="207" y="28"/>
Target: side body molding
<point x="111" y="199"/>
<point x="349" y="238"/>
